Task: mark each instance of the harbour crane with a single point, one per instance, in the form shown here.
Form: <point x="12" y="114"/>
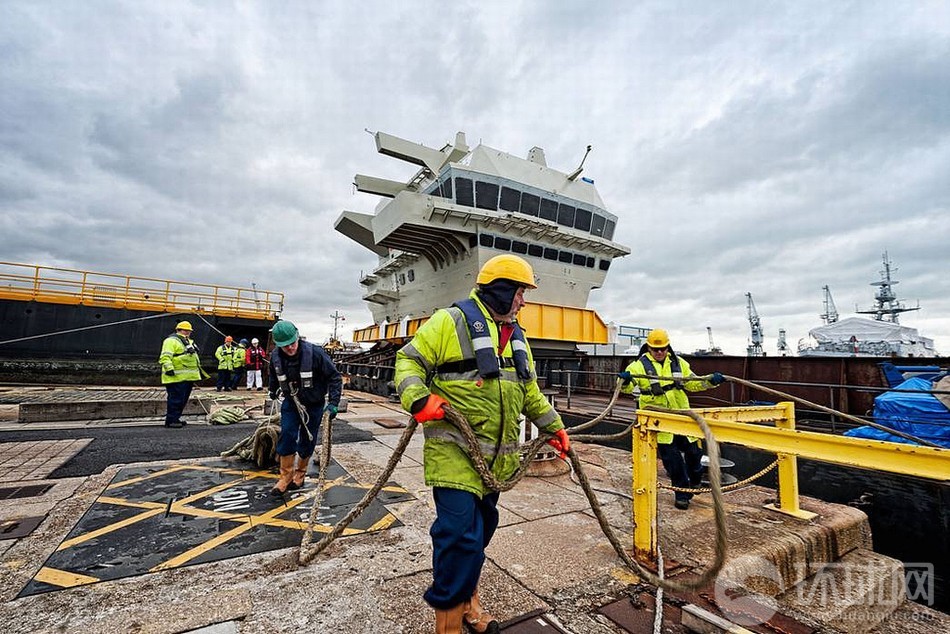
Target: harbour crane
<point x="781" y="344"/>
<point x="830" y="315"/>
<point x="755" y="347"/>
<point x="713" y="350"/>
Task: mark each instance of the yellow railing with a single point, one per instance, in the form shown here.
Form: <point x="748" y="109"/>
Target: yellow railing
<point x="752" y="427"/>
<point x="27" y="282"/>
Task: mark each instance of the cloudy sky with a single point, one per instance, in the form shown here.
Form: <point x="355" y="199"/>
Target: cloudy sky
<point x="761" y="147"/>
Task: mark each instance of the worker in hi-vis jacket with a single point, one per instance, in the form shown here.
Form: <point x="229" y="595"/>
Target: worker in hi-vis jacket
<point x="474" y="357"/>
<point x="681" y="455"/>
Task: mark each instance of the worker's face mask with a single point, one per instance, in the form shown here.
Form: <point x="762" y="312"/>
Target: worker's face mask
<point x="499" y="295"/>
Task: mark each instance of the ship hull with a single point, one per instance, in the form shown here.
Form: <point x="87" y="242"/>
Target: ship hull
<point x="76" y="344"/>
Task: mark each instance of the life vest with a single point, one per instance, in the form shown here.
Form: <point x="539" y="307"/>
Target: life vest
<point x="482" y="348"/>
<point x="650" y="369"/>
<point x="306" y="368"/>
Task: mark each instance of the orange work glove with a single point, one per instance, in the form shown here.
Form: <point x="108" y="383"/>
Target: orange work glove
<point x="561" y="443"/>
<point x="432" y="410"/>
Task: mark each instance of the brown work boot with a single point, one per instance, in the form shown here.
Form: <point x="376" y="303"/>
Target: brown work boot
<point x="477" y="620"/>
<point x="286" y="474"/>
<point x="449" y="621"/>
<point x="300" y="473"/>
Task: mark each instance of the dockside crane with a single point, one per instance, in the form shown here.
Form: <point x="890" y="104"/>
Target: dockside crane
<point x="755" y="347"/>
<point x="781" y="344"/>
<point x="830" y="315"/>
<point x="713" y="350"/>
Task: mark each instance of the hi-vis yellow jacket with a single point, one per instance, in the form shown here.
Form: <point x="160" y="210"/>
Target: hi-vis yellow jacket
<point x="663" y="391"/>
<point x="175" y="356"/>
<point x="440" y="359"/>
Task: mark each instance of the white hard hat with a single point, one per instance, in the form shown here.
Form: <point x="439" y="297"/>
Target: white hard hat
<point x="255" y="341"/>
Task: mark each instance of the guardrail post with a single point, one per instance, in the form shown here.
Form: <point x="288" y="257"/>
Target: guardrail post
<point x="643" y="454"/>
<point x="788" y="473"/>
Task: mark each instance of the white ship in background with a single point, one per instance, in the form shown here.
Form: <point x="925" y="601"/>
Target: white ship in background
<point x="882" y="336"/>
<point x="465" y="205"/>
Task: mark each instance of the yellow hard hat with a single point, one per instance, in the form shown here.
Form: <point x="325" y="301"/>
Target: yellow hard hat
<point x="658" y="339"/>
<point x="183" y="325"/>
<point x="507" y="267"/>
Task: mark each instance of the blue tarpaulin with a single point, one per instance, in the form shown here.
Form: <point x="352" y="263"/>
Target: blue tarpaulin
<point x="916" y="413"/>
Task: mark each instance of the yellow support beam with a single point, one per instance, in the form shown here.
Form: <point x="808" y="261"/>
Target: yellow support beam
<point x="752" y="427"/>
<point x="915" y="460"/>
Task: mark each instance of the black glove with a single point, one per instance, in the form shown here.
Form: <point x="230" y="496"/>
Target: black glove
<point x="192" y="349"/>
<point x="275" y="394"/>
<point x="716" y="379"/>
<point x="169" y="373"/>
<point x="626" y="376"/>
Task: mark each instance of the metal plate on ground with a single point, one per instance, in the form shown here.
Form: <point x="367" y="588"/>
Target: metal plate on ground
<point x="20" y="527"/>
<point x="637" y="616"/>
<point x="536" y="622"/>
<point x="156" y="518"/>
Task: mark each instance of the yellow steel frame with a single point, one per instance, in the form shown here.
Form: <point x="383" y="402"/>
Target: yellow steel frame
<point x="27" y="282"/>
<point x="540" y="321"/>
<point x="744" y="426"/>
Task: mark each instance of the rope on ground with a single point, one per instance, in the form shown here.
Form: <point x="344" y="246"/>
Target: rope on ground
<point x="306" y="554"/>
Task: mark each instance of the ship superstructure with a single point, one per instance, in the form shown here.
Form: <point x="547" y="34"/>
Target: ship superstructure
<point x="465" y="205"/>
<point x="882" y="336"/>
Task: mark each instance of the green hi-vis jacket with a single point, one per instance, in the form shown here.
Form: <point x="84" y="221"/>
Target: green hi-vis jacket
<point x="674" y="398"/>
<point x="174" y="357"/>
<point x="239" y="353"/>
<point x="225" y="356"/>
<point x="440" y="359"/>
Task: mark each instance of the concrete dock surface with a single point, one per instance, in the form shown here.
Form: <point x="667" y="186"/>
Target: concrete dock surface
<point x="549" y="558"/>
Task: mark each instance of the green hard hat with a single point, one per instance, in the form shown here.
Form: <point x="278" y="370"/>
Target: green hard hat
<point x="284" y="332"/>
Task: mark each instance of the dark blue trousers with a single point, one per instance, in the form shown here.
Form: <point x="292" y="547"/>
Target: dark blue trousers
<point x="292" y="437"/>
<point x="463" y="528"/>
<point x="224" y="379"/>
<point x="178" y="395"/>
<point x="681" y="459"/>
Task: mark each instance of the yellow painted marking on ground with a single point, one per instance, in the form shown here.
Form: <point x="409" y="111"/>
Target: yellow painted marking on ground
<point x="62" y="578"/>
<point x="203" y="494"/>
<point x="391" y="489"/>
<point x="105" y="530"/>
<point x="250" y="475"/>
<point x="248" y="524"/>
<point x="384" y="522"/>
<point x="624" y="576"/>
<point x="123" y="502"/>
<point x="157" y="474"/>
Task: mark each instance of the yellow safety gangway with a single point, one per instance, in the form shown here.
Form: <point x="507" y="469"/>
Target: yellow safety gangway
<point x="752" y="427"/>
<point x="539" y="321"/>
<point x="27" y="282"/>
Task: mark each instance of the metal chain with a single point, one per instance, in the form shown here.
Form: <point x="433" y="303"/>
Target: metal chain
<point x="728" y="487"/>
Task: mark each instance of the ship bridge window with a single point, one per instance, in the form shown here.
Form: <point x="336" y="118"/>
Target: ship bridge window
<point x="598" y="228"/>
<point x="580" y="259"/>
<point x="609" y="230"/>
<point x="582" y="219"/>
<point x="530" y="204"/>
<point x="535" y="250"/>
<point x="486" y="195"/>
<point x="550" y="253"/>
<point x="411" y="274"/>
<point x="565" y="215"/>
<point x="510" y="199"/>
<point x="590" y="261"/>
<point x="472" y="241"/>
<point x="604" y="265"/>
<point x="519" y="247"/>
<point x="565" y="257"/>
<point x="486" y="240"/>
<point x="463" y="192"/>
<point x="445" y="188"/>
<point x="503" y="244"/>
<point x="548" y="209"/>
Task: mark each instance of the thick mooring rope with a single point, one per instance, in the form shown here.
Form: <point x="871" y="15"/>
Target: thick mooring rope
<point x="307" y="553"/>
